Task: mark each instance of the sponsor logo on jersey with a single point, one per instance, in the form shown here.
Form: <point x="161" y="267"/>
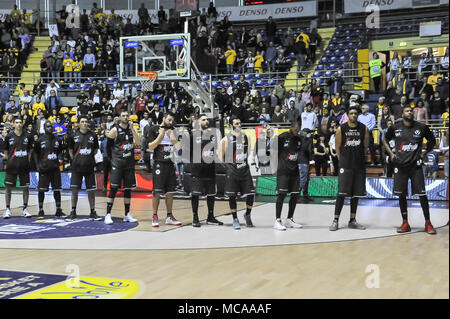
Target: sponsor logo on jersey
<point x="85" y="151"/>
<point x="352" y="143"/>
<point x="408" y="147"/>
<point x="20" y="154"/>
<point x="52" y="156"/>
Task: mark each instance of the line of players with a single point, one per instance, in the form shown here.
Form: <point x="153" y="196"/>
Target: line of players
<point x="352" y="140"/>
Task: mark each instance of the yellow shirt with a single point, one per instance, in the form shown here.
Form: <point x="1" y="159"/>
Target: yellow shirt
<point x="36" y="107"/>
<point x="68" y="65"/>
<point x="77" y="66"/>
<point x="432" y="80"/>
<point x="15" y="14"/>
<point x="100" y="14"/>
<point x="231" y="56"/>
<point x="258" y="61"/>
<point x="305" y="39"/>
<point x="27" y="18"/>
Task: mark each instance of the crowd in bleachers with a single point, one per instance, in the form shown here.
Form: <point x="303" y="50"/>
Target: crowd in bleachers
<point x="92" y="62"/>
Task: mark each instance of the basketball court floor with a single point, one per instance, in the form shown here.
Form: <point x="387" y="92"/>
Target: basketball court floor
<point x="220" y="262"/>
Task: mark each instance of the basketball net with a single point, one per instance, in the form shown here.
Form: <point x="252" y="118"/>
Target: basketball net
<point x="147" y="79"/>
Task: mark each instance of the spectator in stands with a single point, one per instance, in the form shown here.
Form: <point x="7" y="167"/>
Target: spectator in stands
<point x="26" y="97"/>
<point x="437" y="106"/>
<point x="271" y="29"/>
<point x="251" y="114"/>
<point x="264" y="117"/>
<point x="433" y="78"/>
<point x="394" y="64"/>
<point x="336" y="83"/>
<point x="37" y="107"/>
<point x="321" y="154"/>
<point x="45" y="67"/>
<point x="212" y="10"/>
<point x="242" y="87"/>
<point x="375" y="66"/>
<point x="5" y="92"/>
<point x="300" y="54"/>
<point x="237" y="109"/>
<point x="422" y="86"/>
<point x="292" y="114"/>
<point x="420" y="112"/>
<point x="407" y="65"/>
<point x="230" y="56"/>
<point x="259" y="59"/>
<point x="309" y="119"/>
<point x="53" y="102"/>
<point x="403" y="82"/>
<point x="369" y="120"/>
<point x="270" y="56"/>
<point x="278" y="116"/>
<point x="443" y="147"/>
<point x="444" y="60"/>
<point x="89" y="63"/>
<point x="77" y="66"/>
<point x="431" y="166"/>
<point x="315" y="41"/>
<point x="52" y="86"/>
<point x="249" y="63"/>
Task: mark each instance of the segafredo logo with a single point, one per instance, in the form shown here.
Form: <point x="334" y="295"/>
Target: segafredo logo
<point x="30" y="228"/>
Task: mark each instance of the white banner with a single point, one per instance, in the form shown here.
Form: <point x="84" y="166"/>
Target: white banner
<point x="355" y="6"/>
<point x="53" y="30"/>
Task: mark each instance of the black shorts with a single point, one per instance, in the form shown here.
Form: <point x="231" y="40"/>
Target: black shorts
<point x="76" y="180"/>
<point x="288" y="184"/>
<point x="11" y="179"/>
<point x="352" y="182"/>
<point x="47" y="178"/>
<point x="239" y="184"/>
<point x="127" y="176"/>
<point x="203" y="186"/>
<point x="164" y="178"/>
<point x="401" y="177"/>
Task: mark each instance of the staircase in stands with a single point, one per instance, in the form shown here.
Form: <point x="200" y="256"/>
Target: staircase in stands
<point x="294" y="82"/>
<point x="31" y="72"/>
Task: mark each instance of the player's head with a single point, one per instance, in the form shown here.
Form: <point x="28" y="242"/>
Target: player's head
<point x="48" y="127"/>
<point x="124" y="117"/>
<point x="407" y="113"/>
<point x="352" y="114"/>
<point x="17" y="123"/>
<point x="235" y="123"/>
<point x="83" y="122"/>
<point x="203" y="121"/>
<point x="295" y="127"/>
<point x="168" y="119"/>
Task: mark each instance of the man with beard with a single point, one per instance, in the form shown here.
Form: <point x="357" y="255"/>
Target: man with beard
<point x="18" y="147"/>
<point x="203" y="169"/>
<point x="234" y="151"/>
<point x="47" y="151"/>
<point x="83" y="146"/>
<point x="163" y="143"/>
<point x="124" y="137"/>
<point x="352" y="141"/>
<point x="408" y="160"/>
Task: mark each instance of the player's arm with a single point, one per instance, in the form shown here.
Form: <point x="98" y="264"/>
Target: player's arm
<point x="366" y="140"/>
<point x="136" y="136"/>
<point x="338" y="139"/>
<point x="222" y="149"/>
<point x="387" y="137"/>
<point x="431" y="140"/>
<point x="156" y="141"/>
<point x="176" y="143"/>
<point x="111" y="134"/>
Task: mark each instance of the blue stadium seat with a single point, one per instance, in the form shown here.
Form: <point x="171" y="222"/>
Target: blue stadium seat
<point x="343" y="58"/>
<point x="324" y="60"/>
<point x="331" y="46"/>
<point x="327" y="53"/>
<point x="225" y="84"/>
<point x="320" y="67"/>
<point x="250" y="83"/>
<point x="260" y="82"/>
<point x="341" y="46"/>
<point x="214" y="84"/>
<point x="203" y="84"/>
<point x="337" y="52"/>
<point x="333" y="59"/>
<point x="84" y="86"/>
<point x="248" y="76"/>
<point x="205" y="78"/>
<point x="328" y="73"/>
<point x="271" y="82"/>
<point x="332" y="66"/>
<point x="236" y="77"/>
<point x="317" y="74"/>
<point x="138" y="86"/>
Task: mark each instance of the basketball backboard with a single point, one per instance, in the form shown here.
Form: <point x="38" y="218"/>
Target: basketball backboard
<point x="168" y="54"/>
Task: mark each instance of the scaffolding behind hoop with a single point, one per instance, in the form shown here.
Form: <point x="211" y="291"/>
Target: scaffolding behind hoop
<point x="147" y="79"/>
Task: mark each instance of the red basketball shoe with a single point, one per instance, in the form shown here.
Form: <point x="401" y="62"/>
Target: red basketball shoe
<point x="404" y="228"/>
<point x="429" y="228"/>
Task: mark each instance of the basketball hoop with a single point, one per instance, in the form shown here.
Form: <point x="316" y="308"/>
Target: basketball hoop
<point x="147" y="79"/>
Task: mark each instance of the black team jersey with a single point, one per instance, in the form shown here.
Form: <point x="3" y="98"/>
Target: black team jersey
<point x="408" y="142"/>
<point x="163" y="153"/>
<point x="238" y="145"/>
<point x="352" y="146"/>
<point x="18" y="148"/>
<point x="122" y="149"/>
<point x="203" y="154"/>
<point x="84" y="148"/>
<point x="48" y="149"/>
<point x="289" y="147"/>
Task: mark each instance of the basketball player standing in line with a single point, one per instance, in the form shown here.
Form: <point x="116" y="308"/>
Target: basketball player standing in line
<point x="233" y="152"/>
<point x="352" y="141"/>
<point x="203" y="170"/>
<point x="288" y="175"/>
<point x="83" y="146"/>
<point x="47" y="151"/>
<point x="18" y="149"/>
<point x="408" y="160"/>
<point x="124" y="137"/>
<point x="162" y="142"/>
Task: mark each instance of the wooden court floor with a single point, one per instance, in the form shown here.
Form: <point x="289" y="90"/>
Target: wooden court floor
<point x="410" y="266"/>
